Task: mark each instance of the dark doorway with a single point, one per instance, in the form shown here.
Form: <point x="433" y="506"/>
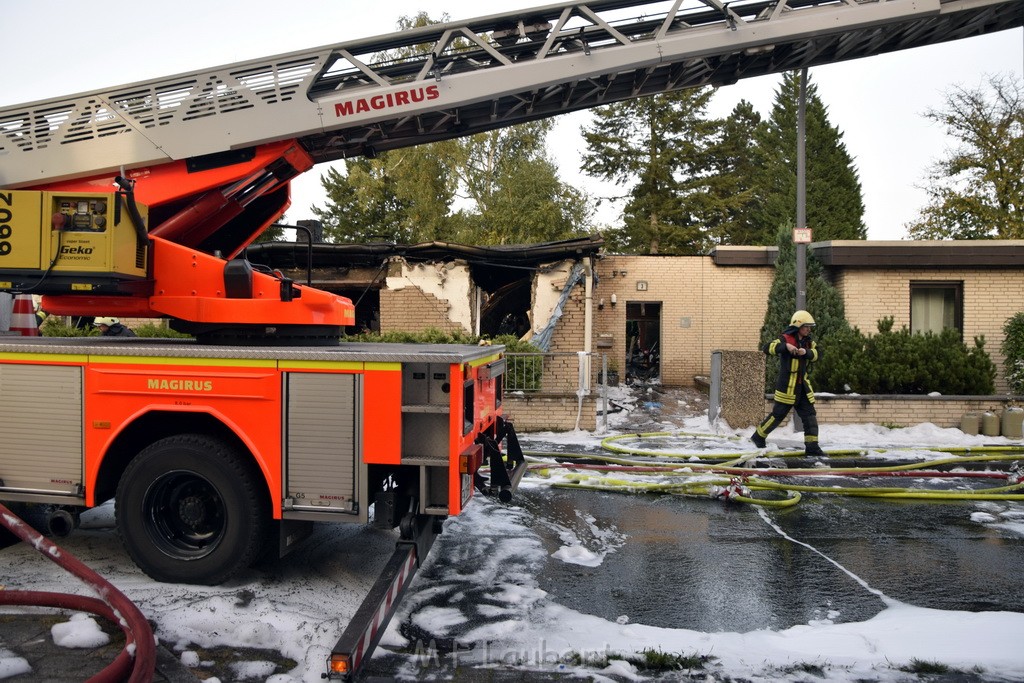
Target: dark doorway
<point x="507" y="308"/>
<point x="643" y="341"/>
<point x="367" y="305"/>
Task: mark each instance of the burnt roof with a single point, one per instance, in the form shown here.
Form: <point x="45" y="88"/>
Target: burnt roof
<point x="492" y="267"/>
<point x="294" y="254"/>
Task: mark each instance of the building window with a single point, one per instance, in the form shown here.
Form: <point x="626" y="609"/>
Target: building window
<point x="935" y="306"/>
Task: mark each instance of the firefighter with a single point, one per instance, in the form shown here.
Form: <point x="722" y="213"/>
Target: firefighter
<point x="796" y="350"/>
<point x="112" y="327"/>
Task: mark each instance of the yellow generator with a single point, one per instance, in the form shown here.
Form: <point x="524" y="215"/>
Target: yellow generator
<point x="60" y="242"/>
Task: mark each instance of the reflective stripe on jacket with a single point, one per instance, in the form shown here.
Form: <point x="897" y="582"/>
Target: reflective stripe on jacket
<point x="792" y="369"/>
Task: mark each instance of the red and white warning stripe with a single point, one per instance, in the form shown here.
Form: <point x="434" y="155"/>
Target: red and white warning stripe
<point x="383" y="613"/>
<point x="23" y="317"/>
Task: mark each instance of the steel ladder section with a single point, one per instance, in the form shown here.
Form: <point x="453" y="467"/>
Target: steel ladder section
<point x="458" y="78"/>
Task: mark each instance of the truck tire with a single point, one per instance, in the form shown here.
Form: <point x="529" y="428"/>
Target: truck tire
<point x="190" y="509"/>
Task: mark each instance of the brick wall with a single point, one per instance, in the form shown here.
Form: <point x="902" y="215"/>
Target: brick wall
<point x="903" y="410"/>
<point x="705" y="308"/>
<point x="412" y="310"/>
<point x="550" y="413"/>
<point x="563" y="370"/>
<point x="990" y="297"/>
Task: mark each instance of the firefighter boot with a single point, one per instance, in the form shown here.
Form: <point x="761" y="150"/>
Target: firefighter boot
<point x="758" y="440"/>
<point x="812" y="448"/>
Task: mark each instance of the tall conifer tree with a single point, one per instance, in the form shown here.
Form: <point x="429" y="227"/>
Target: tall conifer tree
<point x="734" y="161"/>
<point x="824" y="303"/>
<point x="658" y="147"/>
<point x="835" y="204"/>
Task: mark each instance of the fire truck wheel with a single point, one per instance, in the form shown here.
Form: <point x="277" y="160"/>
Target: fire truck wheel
<point x="190" y="509"/>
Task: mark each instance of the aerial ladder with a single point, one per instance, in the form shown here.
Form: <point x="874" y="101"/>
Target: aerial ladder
<point x="201" y="162"/>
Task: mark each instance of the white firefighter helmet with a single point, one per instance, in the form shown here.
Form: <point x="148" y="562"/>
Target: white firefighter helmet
<point x="106" y="321"/>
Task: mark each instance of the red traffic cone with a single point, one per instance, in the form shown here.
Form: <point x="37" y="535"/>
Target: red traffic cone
<point x="23" y="317"/>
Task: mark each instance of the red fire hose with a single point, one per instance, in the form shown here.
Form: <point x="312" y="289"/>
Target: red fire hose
<point x="137" y="660"/>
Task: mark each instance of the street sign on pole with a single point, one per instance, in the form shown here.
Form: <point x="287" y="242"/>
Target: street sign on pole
<point x="801" y="235"/>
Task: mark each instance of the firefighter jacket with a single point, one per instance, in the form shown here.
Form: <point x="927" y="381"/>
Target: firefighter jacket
<point x="792" y="369"/>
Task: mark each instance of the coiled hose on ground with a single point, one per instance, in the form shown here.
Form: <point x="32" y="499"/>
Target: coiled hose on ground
<point x="691" y="474"/>
<point x="137" y="661"/>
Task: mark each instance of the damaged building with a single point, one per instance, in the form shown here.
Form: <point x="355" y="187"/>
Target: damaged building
<point x="485" y="291"/>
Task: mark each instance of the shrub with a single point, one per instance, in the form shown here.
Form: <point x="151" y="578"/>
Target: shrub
<point x="429" y="336"/>
<point x="434" y="336"/>
<point x="160" y="330"/>
<point x="1013" y="352"/>
<point x="524" y="374"/>
<point x="54" y="326"/>
<point x="899" y="362"/>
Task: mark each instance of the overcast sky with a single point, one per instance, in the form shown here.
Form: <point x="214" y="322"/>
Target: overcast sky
<point x="57" y="47"/>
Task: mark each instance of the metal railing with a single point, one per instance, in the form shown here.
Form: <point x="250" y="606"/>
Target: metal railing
<point x="550" y="373"/>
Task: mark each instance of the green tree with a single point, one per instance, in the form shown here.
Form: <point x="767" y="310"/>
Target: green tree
<point x="402" y="196"/>
<point x="517" y="196"/>
<point x="659" y="147"/>
<point x="834" y="203"/>
<point x="389" y="198"/>
<point x="513" y="193"/>
<point x="734" y="161"/>
<point x="977" y="190"/>
<point x="824" y="303"/>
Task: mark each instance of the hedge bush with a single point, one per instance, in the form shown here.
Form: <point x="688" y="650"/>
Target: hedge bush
<point x="55" y="326"/>
<point x="511" y="343"/>
<point x="899" y="362"/>
<point x="1013" y="352"/>
<point x="524" y="374"/>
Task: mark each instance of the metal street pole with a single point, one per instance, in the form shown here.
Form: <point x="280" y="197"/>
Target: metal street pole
<point x="801" y="193"/>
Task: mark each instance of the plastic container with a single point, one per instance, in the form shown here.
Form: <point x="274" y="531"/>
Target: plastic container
<point x="989" y="423"/>
<point x="970" y="423"/>
<point x="1013" y="422"/>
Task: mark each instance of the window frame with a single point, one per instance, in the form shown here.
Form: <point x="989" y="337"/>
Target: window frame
<point x="958" y="300"/>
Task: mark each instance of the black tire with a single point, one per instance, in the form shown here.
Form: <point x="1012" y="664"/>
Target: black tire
<point x="190" y="509"/>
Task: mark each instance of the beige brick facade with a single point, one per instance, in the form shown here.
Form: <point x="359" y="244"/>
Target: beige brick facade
<point x="550" y="413"/>
<point x="903" y="411"/>
<point x="705" y="308"/>
<point x="990" y="297"/>
<point x="563" y="370"/>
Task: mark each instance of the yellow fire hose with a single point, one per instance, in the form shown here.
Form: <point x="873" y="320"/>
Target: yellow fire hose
<point x="608" y="443"/>
<point x="691" y="475"/>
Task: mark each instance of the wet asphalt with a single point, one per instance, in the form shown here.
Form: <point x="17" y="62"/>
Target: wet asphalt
<point x="700" y="564"/>
<point x="710" y="566"/>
